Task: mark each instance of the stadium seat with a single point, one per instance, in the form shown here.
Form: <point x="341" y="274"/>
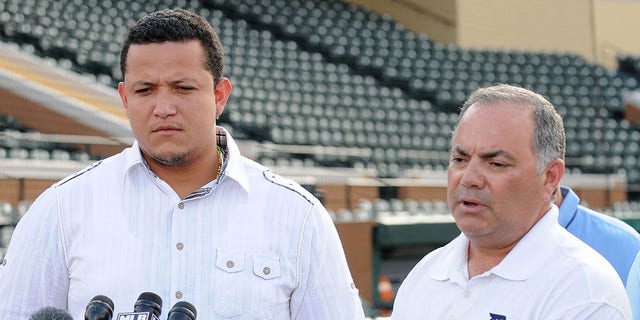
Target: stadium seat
<point x="338" y="64"/>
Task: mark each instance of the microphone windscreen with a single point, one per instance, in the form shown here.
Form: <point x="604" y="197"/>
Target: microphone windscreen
<point x="149" y="302"/>
<point x="182" y="310"/>
<point x="99" y="308"/>
<point x="50" y="313"/>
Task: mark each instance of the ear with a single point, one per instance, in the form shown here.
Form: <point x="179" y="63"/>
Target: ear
<point x="123" y="95"/>
<point x="222" y="93"/>
<point x="553" y="175"/>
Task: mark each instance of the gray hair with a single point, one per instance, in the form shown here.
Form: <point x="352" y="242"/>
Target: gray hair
<point x="548" y="138"/>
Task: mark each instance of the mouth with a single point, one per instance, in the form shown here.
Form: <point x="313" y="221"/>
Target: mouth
<point x="471" y="203"/>
<point x="165" y="129"/>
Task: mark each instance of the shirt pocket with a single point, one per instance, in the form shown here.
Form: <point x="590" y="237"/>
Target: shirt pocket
<point x="229" y="283"/>
<point x="265" y="278"/>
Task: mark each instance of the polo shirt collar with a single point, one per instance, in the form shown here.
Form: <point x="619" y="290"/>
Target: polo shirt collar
<point x="528" y="256"/>
<point x="454" y="262"/>
<point x="533" y="250"/>
<point x="568" y="207"/>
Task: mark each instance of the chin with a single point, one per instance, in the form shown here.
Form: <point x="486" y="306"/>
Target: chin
<point x="170" y="159"/>
<point x="470" y="225"/>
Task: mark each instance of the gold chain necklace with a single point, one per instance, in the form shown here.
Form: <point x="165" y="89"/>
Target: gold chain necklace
<point x="219" y="162"/>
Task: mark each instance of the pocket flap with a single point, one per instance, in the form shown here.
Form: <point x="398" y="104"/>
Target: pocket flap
<point x="230" y="261"/>
<point x="266" y="267"/>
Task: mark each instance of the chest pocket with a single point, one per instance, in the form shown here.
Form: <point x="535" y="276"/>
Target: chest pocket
<point x="246" y="284"/>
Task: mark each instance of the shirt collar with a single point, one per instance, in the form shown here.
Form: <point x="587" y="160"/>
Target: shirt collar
<point x="233" y="164"/>
<point x="454" y="262"/>
<point x="533" y="250"/>
<point x="568" y="207"/>
<point x="233" y="167"/>
<point x="133" y="157"/>
<point x="529" y="254"/>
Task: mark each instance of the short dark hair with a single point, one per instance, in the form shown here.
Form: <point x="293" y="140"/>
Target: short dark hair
<point x="176" y="25"/>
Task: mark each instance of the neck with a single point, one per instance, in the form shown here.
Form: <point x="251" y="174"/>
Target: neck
<point x="190" y="176"/>
<point x="482" y="259"/>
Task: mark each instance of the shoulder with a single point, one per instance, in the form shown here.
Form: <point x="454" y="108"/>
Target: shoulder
<point x="78" y="174"/>
<point x="578" y="271"/>
<point x="581" y="256"/>
<point x="604" y="225"/>
<point x="288" y="185"/>
<point x="103" y="170"/>
<point x="266" y="178"/>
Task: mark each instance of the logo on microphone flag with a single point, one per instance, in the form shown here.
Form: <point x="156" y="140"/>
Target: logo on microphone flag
<point x="136" y="316"/>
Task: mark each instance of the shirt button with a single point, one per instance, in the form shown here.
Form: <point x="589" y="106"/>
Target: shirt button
<point x="466" y="293"/>
<point x="180" y="245"/>
<point x="230" y="264"/>
<point x="266" y="271"/>
<point x="353" y="285"/>
<point x="451" y="317"/>
<point x="181" y="205"/>
<point x="179" y="294"/>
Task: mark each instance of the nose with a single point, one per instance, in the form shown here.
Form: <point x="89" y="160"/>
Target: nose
<point x="472" y="176"/>
<point x="164" y="105"/>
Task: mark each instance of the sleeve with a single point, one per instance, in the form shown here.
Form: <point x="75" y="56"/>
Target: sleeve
<point x="325" y="289"/>
<point x="34" y="274"/>
<point x="633" y="287"/>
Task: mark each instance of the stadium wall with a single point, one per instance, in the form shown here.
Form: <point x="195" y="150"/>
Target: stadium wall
<point x="437" y="18"/>
<point x="598" y="30"/>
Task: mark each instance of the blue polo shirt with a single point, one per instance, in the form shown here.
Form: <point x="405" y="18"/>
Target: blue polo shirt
<point x="633" y="288"/>
<point x="614" y="239"/>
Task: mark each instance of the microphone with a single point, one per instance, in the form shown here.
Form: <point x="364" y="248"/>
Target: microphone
<point x="50" y="313"/>
<point x="147" y="307"/>
<point x="149" y="302"/>
<point x="182" y="310"/>
<point x="99" y="308"/>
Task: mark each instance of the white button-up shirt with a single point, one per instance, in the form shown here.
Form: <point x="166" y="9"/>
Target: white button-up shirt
<point x="549" y="274"/>
<point x="250" y="245"/>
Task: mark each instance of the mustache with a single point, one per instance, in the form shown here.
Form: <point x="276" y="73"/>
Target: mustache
<point x="472" y="195"/>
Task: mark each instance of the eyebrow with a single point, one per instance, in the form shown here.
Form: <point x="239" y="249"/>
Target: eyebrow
<point x="178" y="81"/>
<point x="144" y="83"/>
<point x="182" y="80"/>
<point x="486" y="154"/>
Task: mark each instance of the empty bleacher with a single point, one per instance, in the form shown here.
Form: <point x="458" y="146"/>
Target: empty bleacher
<point x="22" y="143"/>
<point x="333" y="74"/>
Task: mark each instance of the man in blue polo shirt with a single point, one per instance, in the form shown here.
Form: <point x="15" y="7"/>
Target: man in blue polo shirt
<point x="617" y="241"/>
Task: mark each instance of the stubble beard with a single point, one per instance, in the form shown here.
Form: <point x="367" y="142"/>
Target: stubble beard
<point x="173" y="161"/>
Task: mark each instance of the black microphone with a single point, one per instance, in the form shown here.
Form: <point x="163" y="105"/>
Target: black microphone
<point x="147" y="307"/>
<point x="149" y="302"/>
<point x="50" y="313"/>
<point x="182" y="310"/>
<point x="99" y="308"/>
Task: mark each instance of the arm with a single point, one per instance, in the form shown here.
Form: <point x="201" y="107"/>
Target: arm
<point x="34" y="274"/>
<point x="325" y="289"/>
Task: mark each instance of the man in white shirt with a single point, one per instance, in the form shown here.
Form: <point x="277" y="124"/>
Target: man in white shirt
<point x="513" y="260"/>
<point x="181" y="213"/>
